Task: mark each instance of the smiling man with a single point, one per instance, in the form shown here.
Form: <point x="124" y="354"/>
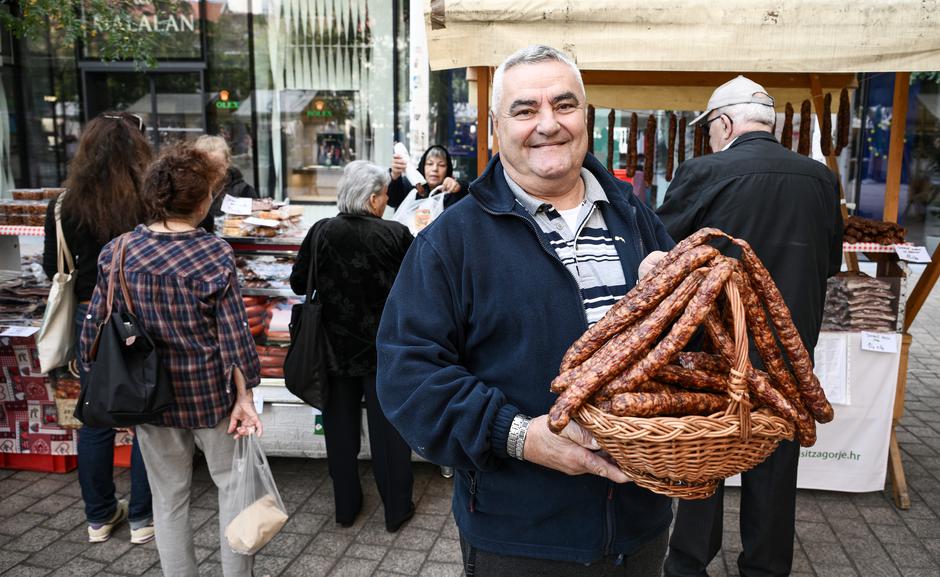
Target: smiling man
<point x="487" y="301"/>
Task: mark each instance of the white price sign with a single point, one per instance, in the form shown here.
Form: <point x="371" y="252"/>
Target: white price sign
<point x="912" y="253"/>
<point x="237" y="206"/>
<point x="880" y="342"/>
<point x="19" y="332"/>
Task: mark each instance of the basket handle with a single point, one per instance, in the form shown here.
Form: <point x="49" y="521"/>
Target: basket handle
<point x="737" y="388"/>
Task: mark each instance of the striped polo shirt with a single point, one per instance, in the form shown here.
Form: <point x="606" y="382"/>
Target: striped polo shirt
<point x="588" y="251"/>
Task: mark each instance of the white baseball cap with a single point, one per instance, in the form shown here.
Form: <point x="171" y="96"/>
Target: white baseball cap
<point x="739" y="90"/>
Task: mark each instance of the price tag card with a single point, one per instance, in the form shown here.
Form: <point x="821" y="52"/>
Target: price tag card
<point x="238" y="206"/>
<point x="19" y="331"/>
<point x="259" y="402"/>
<point x="880" y="342"/>
<point x="912" y="253"/>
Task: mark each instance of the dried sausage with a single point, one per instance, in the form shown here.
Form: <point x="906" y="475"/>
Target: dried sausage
<point x="617" y="354"/>
<point x="649" y="152"/>
<point x="843" y="121"/>
<point x="704" y="362"/>
<point x="610" y="140"/>
<point x="698" y="141"/>
<point x="812" y="393"/>
<point x="590" y="128"/>
<point x="671" y="154"/>
<point x="692" y="379"/>
<point x="680" y="146"/>
<point x="679" y="334"/>
<point x="645" y="295"/>
<point x="825" y="124"/>
<point x="665" y="404"/>
<point x="803" y="147"/>
<point x="631" y="145"/>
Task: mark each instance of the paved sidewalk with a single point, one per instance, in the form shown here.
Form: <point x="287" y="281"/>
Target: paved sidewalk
<point x="42" y="529"/>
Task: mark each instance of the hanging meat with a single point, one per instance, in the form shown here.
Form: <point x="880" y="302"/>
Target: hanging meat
<point x="803" y="147"/>
<point x="825" y="131"/>
<point x="671" y="154"/>
<point x="610" y="140"/>
<point x="631" y="145"/>
<point x="590" y="128"/>
<point x="786" y="137"/>
<point x="843" y="122"/>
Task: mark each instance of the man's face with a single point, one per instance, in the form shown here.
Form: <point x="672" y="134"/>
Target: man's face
<point x="541" y="125"/>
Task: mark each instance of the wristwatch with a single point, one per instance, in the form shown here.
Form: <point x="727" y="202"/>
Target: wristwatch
<point x="516" y="439"/>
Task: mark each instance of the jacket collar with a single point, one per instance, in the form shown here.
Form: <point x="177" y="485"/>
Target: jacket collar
<point x="751" y="136"/>
<point x="492" y="191"/>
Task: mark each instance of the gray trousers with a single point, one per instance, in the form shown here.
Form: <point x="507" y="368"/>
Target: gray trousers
<point x="168" y="454"/>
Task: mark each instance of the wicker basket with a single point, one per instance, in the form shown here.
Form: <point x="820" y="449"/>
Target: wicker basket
<point x="686" y="457"/>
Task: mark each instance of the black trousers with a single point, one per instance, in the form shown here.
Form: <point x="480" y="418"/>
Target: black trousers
<point x="391" y="456"/>
<point x="647" y="561"/>
<point x="768" y="510"/>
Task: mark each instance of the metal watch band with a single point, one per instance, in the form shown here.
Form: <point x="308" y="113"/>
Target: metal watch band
<point x="516" y="439"/>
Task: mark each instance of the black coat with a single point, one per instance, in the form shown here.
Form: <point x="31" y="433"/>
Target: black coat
<point x="83" y="246"/>
<point x="784" y="204"/>
<point x="358" y="258"/>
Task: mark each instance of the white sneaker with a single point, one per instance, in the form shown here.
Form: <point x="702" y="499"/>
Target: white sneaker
<point x="142" y="535"/>
<point x="99" y="533"/>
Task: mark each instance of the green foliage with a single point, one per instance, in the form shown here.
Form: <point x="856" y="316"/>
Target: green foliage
<point x="926" y="77"/>
<point x="111" y="25"/>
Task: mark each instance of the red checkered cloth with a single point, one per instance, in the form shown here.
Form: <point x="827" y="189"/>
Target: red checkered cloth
<point x="869" y="247"/>
<point x="10" y="230"/>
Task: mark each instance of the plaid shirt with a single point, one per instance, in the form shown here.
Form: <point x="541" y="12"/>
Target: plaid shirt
<point x="185" y="295"/>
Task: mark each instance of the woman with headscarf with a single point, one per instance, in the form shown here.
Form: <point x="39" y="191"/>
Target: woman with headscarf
<point x="437" y="168"/>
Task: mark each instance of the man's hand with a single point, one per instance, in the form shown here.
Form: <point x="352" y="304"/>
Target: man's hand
<point x="569" y="452"/>
<point x="450" y="185"/>
<point x="244" y="418"/>
<point x="399" y="164"/>
<point x="651" y="260"/>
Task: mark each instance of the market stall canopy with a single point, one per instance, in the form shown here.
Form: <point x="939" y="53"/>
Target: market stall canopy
<point x="687" y="35"/>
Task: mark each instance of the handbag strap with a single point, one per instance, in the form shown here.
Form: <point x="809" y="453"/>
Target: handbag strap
<point x="313" y="274"/>
<point x="117" y="270"/>
<point x="63" y="254"/>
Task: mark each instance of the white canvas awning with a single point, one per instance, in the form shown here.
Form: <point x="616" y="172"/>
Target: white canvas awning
<point x="693" y="35"/>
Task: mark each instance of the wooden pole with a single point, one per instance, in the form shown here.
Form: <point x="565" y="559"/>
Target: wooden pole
<point x="902" y="82"/>
<point x="851" y="259"/>
<point x="483" y="117"/>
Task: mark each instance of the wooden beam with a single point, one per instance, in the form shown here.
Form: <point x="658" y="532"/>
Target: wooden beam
<point x="482" y="74"/>
<point x="921" y="291"/>
<point x="902" y="81"/>
<point x="712" y="79"/>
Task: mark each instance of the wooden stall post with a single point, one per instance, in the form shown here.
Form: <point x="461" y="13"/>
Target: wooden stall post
<point x="483" y="123"/>
<point x="902" y="81"/>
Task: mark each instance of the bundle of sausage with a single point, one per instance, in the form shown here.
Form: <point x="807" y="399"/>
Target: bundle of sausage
<point x="631" y="363"/>
<point x="272" y="360"/>
<point x="256" y="307"/>
<point x="858" y="229"/>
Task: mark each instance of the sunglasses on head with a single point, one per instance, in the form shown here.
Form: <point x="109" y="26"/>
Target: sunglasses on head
<point x="128" y="117"/>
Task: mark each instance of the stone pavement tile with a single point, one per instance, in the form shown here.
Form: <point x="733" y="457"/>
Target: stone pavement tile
<point x="434" y="505"/>
<point x="9" y="559"/>
<point x="933" y="546"/>
<point x="45" y="487"/>
<point x="446" y="550"/>
<point x="450" y="529"/>
<point x="198" y="516"/>
<point x="135" y="562"/>
<point x="73" y="489"/>
<point x="17" y="503"/>
<point x="309" y="566"/>
<point x="416" y="539"/>
<point x="30" y="476"/>
<point x="892" y="533"/>
<point x="864" y="548"/>
<point x="34" y="540"/>
<point x="908" y="555"/>
<point x="287" y="544"/>
<point x="66" y="519"/>
<point x="815" y="532"/>
<point x="10" y="486"/>
<point x="211" y="569"/>
<point x="79" y="567"/>
<point x="56" y="555"/>
<point x="375" y="534"/>
<point x="29" y="571"/>
<point x="329" y="544"/>
<point x="440" y="486"/>
<point x="800" y="561"/>
<point x="349" y="567"/>
<point x="365" y="551"/>
<point x="271" y="565"/>
<point x="429" y="522"/>
<point x="918" y="449"/>
<point x="433" y="569"/>
<point x="836" y="571"/>
<point x="209" y="499"/>
<point x="809" y="511"/>
<point x="717" y="567"/>
<point x="840" y="509"/>
<point x="883" y="515"/>
<point x="825" y="554"/>
<point x="307" y="523"/>
<point x="109" y="550"/>
<point x="208" y="534"/>
<point x="51" y="504"/>
<point x="16" y="524"/>
<point x="403" y="561"/>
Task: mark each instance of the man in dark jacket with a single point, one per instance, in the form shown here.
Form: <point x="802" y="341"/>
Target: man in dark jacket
<point x="787" y="207"/>
<point x="488" y="299"/>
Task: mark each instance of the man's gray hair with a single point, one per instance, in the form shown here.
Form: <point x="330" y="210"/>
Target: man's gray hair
<point x="533" y="54"/>
<point x="751" y="112"/>
<point x="361" y="179"/>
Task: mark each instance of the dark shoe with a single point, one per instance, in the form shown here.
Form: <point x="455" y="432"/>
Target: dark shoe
<point x="394" y="527"/>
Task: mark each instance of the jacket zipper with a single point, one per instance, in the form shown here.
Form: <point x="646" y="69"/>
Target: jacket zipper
<point x="473" y="490"/>
<point x="548" y="250"/>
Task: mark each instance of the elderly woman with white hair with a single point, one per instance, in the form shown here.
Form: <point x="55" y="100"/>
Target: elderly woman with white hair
<point x="356" y="256"/>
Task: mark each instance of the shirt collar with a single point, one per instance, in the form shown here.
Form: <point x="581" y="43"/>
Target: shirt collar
<point x="593" y="193"/>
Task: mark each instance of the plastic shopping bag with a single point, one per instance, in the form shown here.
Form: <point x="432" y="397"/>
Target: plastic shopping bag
<point x="416" y="213"/>
<point x="261" y="511"/>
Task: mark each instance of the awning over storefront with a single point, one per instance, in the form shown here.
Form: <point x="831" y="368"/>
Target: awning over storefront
<point x="701" y="35"/>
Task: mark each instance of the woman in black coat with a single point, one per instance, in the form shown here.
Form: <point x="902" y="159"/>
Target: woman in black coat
<point x="357" y="256"/>
<point x="436" y="167"/>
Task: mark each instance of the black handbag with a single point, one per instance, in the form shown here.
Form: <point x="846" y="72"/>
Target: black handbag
<point x="127" y="385"/>
<point x="309" y="356"/>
